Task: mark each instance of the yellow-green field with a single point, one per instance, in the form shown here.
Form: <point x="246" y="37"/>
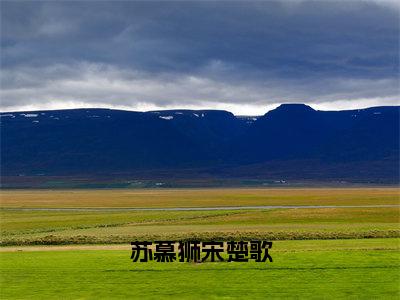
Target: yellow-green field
<point x="74" y="244"/>
<point x="199" y="197"/>
<point x="20" y="226"/>
<point x="60" y="227"/>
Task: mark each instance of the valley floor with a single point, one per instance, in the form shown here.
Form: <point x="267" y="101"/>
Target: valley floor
<point x="76" y="244"/>
<point x="313" y="269"/>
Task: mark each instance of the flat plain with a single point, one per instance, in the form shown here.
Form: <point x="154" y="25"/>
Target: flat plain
<point x="324" y="252"/>
<point x="198" y="197"/>
<point x="100" y="223"/>
<point x="329" y="269"/>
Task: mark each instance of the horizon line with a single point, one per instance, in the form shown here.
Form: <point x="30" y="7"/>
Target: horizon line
<point x="189" y="109"/>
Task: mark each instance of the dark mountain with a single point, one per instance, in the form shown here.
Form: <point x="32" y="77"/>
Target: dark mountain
<point x="287" y="132"/>
<point x="296" y="131"/>
<point x="292" y="141"/>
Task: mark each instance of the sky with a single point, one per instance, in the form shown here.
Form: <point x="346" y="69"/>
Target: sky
<point x="246" y="57"/>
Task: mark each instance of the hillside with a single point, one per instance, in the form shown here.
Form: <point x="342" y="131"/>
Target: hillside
<point x="292" y="141"/>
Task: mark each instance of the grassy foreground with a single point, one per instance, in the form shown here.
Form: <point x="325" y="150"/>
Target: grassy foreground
<point x="334" y="269"/>
<point x="332" y="253"/>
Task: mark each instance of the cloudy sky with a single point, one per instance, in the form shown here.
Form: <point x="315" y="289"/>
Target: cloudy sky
<point x="242" y="56"/>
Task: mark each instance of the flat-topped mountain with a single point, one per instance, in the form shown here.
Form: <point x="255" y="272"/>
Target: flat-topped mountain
<point x="291" y="141"/>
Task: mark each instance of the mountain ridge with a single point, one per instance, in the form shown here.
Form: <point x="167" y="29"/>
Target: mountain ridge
<point x="92" y="141"/>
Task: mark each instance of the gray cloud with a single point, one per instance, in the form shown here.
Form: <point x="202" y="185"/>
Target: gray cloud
<point x="243" y="56"/>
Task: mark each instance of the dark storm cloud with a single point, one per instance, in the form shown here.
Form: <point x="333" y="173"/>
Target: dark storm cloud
<point x="198" y="53"/>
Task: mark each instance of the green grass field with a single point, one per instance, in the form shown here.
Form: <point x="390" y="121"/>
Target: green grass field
<point x="331" y="269"/>
<point x="318" y="252"/>
<point x="81" y="227"/>
<point x="60" y="227"/>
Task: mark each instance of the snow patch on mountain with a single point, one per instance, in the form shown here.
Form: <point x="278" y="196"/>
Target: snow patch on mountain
<point x="29" y="115"/>
<point x="166" y="117"/>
